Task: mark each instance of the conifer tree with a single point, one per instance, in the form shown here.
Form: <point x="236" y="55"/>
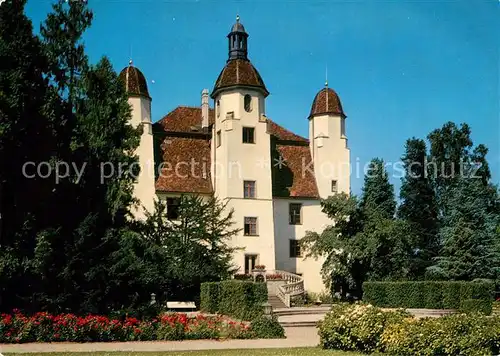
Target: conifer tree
<point x="418" y="206"/>
<point x="471" y="244"/>
<point x="26" y="140"/>
<point x="468" y="206"/>
<point x="378" y="192"/>
<point x="197" y="243"/>
<point x="93" y="133"/>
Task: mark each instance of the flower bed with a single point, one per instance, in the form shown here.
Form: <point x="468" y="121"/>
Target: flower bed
<point x="243" y="277"/>
<point x="362" y="327"/>
<point x="44" y="327"/>
<point x="274" y="277"/>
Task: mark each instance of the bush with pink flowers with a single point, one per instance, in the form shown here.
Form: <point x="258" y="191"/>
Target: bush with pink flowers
<point x="44" y="327"/>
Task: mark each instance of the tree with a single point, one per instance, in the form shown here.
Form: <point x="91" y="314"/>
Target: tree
<point x="102" y="137"/>
<point x="87" y="211"/>
<point x="419" y="207"/>
<point x="197" y="244"/>
<point x="471" y="245"/>
<point x="26" y="138"/>
<point x="365" y="241"/>
<point x="378" y="192"/>
<point x="468" y="204"/>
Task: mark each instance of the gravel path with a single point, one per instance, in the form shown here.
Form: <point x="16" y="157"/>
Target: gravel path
<point x="296" y="337"/>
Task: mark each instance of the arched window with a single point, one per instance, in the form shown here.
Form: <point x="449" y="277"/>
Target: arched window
<point x="248" y="103"/>
<point x="218" y="108"/>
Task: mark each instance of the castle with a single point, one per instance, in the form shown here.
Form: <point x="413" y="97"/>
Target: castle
<point x="273" y="178"/>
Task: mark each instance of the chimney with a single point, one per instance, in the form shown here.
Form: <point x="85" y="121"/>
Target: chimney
<point x="204" y="108"/>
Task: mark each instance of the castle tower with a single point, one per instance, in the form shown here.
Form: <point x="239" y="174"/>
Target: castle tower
<point x="240" y="142"/>
<point x="140" y="102"/>
<point x="328" y="143"/>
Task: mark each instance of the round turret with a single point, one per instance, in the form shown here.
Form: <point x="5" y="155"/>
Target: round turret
<point x="134" y="81"/>
<point x="326" y="102"/>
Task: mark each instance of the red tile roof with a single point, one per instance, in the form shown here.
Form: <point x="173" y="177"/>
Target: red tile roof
<point x="282" y="133"/>
<point x="295" y="178"/>
<point x="184" y="118"/>
<point x="239" y="72"/>
<point x="182" y="146"/>
<point x="134" y="81"/>
<point x="185" y="166"/>
<point x="327" y="102"/>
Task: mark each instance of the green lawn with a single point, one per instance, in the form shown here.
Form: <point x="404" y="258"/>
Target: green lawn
<point x="257" y="352"/>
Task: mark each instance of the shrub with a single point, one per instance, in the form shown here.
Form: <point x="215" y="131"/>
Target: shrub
<point x="432" y="295"/>
<point x="363" y="328"/>
<point x="323" y="297"/>
<point x="239" y="299"/>
<point x="267" y="328"/>
<point x="476" y="306"/>
<point x="356" y="327"/>
<point x="451" y="295"/>
<point x="375" y="293"/>
<point x="452" y="335"/>
<point x="427" y="294"/>
<point x="209" y="297"/>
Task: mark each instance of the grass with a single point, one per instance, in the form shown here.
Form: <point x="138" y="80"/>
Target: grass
<point x="310" y="351"/>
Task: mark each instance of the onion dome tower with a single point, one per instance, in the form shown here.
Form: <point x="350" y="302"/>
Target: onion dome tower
<point x="239" y="71"/>
<point x="326" y="102"/>
<point x="134" y="81"/>
<point x="140" y="104"/>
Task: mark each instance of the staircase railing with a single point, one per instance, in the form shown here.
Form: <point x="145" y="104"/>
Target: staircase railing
<point x="294" y="287"/>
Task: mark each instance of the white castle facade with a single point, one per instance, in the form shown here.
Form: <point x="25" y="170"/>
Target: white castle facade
<point x="272" y="178"/>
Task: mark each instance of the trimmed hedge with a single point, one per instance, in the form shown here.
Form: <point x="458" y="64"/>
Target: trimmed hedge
<point x="209" y="297"/>
<point x="470" y="306"/>
<point x="428" y="294"/>
<point x="239" y="299"/>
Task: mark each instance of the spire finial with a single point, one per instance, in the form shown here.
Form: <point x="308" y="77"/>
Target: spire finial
<point x="130" y="62"/>
<point x="326" y="76"/>
<point x="237" y="18"/>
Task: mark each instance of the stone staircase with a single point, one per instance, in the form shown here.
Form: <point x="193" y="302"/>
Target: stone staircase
<point x="276" y="302"/>
<point x="282" y="287"/>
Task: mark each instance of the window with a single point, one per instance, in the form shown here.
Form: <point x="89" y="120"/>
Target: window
<point x="295" y="249"/>
<point x="334" y="186"/>
<point x="173" y="208"/>
<point x="295" y="214"/>
<point x="250" y="227"/>
<point x="247" y="103"/>
<point x="218" y="108"/>
<point x="342" y="127"/>
<point x="249" y="189"/>
<point x="218" y="139"/>
<point x="248" y="135"/>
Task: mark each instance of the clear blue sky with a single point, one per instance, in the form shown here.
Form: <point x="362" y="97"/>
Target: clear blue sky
<point x="401" y="68"/>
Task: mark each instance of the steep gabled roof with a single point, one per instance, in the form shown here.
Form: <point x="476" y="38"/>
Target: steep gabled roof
<point x="181" y="143"/>
<point x="184" y="119"/>
<point x="185" y="166"/>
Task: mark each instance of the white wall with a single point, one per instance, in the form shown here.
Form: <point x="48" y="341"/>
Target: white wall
<point x="144" y="187"/>
<point x="330" y="154"/>
<point x="235" y="162"/>
<point x="313" y="219"/>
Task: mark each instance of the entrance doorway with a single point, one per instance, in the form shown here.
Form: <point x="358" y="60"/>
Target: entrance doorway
<point x="250" y="262"/>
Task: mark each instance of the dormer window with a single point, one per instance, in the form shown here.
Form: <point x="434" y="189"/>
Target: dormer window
<point x="248" y="103"/>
